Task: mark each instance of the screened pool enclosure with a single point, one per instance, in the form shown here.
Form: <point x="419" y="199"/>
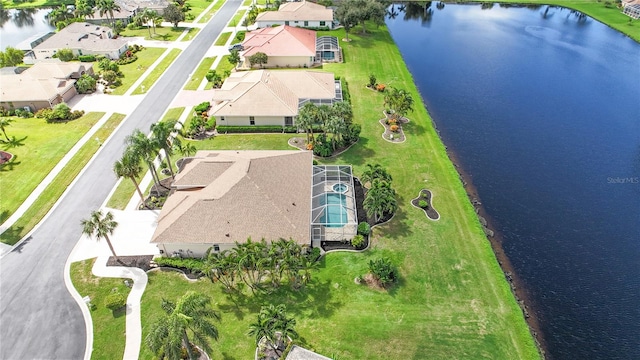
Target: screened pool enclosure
<point x="333" y="204"/>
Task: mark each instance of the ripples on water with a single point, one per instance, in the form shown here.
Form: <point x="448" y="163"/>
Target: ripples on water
<point x="542" y="107"/>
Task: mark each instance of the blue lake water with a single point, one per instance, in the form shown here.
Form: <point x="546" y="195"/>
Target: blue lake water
<point x="542" y="109"/>
<point x="18" y="25"/>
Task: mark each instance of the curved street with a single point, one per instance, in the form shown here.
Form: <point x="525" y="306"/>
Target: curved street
<point x="38" y="317"/>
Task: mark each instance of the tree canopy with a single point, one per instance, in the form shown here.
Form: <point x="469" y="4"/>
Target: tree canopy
<point x="173" y="14"/>
<point x="11" y="57"/>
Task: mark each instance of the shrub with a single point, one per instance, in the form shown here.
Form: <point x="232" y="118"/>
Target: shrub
<point x="64" y="54"/>
<point x="115" y="301"/>
<point x="127" y="59"/>
<point x="86" y="84"/>
<point x="310" y="146"/>
<point x="25" y="114"/>
<point x="383" y="270"/>
<point x="87" y="58"/>
<point x="357" y="241"/>
<point x="372" y="81"/>
<point x="322" y="146"/>
<point x="392" y="121"/>
<point x="364" y="228"/>
<point x="393" y="128"/>
<point x="314" y="254"/>
<point x="240" y="36"/>
<point x="202" y="107"/>
<point x="257" y="129"/>
<point x="423" y="204"/>
<point x="380" y="87"/>
<point x="192" y="264"/>
<point x="352" y="134"/>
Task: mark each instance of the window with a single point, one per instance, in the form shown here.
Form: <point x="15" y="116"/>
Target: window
<point x="252" y="120"/>
<point x="288" y="121"/>
<point x="286" y="22"/>
<point x="306" y="23"/>
<point x="221" y="118"/>
<point x="323" y="23"/>
<point x="216" y="247"/>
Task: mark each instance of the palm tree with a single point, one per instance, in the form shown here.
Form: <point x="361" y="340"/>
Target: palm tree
<point x="342" y="109"/>
<point x="144" y="148"/>
<point x="380" y="200"/>
<point x="100" y="226"/>
<point x="191" y="317"/>
<point x="151" y="16"/>
<point x="129" y="166"/>
<point x="400" y="101"/>
<point x="271" y="320"/>
<point x="163" y="139"/>
<point x="108" y="7"/>
<point x="4" y="123"/>
<point x="373" y="172"/>
<point x="307" y="119"/>
<point x="83" y="9"/>
<point x="187" y="149"/>
<point x="59" y="14"/>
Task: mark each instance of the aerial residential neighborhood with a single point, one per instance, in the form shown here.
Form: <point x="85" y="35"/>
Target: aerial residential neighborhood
<point x="257" y="179"/>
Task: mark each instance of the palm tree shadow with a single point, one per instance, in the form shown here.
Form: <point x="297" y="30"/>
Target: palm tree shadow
<point x="8" y="166"/>
<point x="14" y="142"/>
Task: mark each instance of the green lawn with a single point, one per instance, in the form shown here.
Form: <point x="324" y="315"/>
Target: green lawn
<point x="191" y="34"/>
<point x="162" y="33"/>
<point x="200" y="73"/>
<point x="52" y="193"/>
<point x="8" y="4"/>
<point x="44" y="145"/>
<point x="249" y="141"/>
<point x="109" y="328"/>
<point x="222" y="39"/>
<point x="597" y="9"/>
<point x="235" y="21"/>
<point x="224" y="65"/>
<point x="134" y="70"/>
<point x="148" y="82"/>
<point x="206" y="17"/>
<point x="126" y="189"/>
<point x="197" y="7"/>
<point x="452" y="301"/>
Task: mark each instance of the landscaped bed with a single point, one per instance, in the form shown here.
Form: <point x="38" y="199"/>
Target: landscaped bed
<point x="423" y="201"/>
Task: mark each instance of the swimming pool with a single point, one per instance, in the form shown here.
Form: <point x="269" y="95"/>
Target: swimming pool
<point x="335" y="212"/>
<point x="340" y="188"/>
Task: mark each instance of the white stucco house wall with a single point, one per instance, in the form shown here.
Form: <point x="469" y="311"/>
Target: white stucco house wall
<point x="83" y="39"/>
<point x="298" y="14"/>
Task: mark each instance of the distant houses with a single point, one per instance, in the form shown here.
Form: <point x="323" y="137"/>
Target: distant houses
<point x="631" y="8"/>
<point x="82" y="39"/>
<point x="42" y="86"/>
<point x="128" y="9"/>
<point x="298" y="14"/>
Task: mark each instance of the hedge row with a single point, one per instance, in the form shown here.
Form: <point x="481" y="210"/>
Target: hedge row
<point x="256" y="129"/>
<point x="192" y="264"/>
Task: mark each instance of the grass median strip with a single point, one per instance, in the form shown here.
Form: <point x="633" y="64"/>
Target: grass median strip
<point x="191" y="33"/>
<point x="209" y="15"/>
<point x="200" y="73"/>
<point x="235" y="21"/>
<point x="133" y="71"/>
<point x="109" y="328"/>
<point x="148" y="82"/>
<point x="52" y="193"/>
<point x="222" y="39"/>
<point x="126" y="190"/>
<point x="40" y="148"/>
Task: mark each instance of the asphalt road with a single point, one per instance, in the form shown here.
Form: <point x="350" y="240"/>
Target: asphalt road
<point x="38" y="317"/>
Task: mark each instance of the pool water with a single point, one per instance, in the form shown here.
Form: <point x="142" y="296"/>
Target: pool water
<point x="340" y="188"/>
<point x="335" y="212"/>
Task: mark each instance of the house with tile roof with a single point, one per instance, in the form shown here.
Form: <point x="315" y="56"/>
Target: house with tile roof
<point x="285" y="47"/>
<point x="128" y="9"/>
<point x="83" y="39"/>
<point x="43" y="85"/>
<point x="298" y="14"/>
<point x="222" y="197"/>
<point x="263" y="97"/>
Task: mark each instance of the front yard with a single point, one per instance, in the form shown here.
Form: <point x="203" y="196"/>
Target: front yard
<point x="134" y="70"/>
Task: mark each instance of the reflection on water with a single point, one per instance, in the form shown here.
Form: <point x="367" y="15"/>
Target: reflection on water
<point x="541" y="106"/>
<point x="17" y="25"/>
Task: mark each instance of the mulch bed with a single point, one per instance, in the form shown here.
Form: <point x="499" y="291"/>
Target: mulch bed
<point x="301" y="144"/>
<point x="429" y="210"/>
<point x="5" y="157"/>
<point x="398" y="136"/>
<point x="143" y="261"/>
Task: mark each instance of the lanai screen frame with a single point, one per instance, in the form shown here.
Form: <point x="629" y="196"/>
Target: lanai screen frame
<point x="324" y="177"/>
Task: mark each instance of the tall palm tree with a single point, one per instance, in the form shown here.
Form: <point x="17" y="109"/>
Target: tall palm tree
<point x="152" y="16"/>
<point x="83" y="9"/>
<point x="342" y="109"/>
<point x="100" y="226"/>
<point x="307" y="119"/>
<point x="4" y="123"/>
<point x="163" y="139"/>
<point x="373" y="172"/>
<point x="144" y="148"/>
<point x="129" y="166"/>
<point x="188" y="320"/>
<point x="108" y="7"/>
<point x="59" y="14"/>
<point x="400" y="101"/>
<point x="380" y="200"/>
<point x="271" y="320"/>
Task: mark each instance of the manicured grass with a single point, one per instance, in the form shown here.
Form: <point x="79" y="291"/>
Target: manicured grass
<point x="7" y="4"/>
<point x="126" y="190"/>
<point x="44" y="145"/>
<point x="191" y="34"/>
<point x="222" y="39"/>
<point x="235" y="21"/>
<point x="452" y="301"/>
<point x="206" y="17"/>
<point x="108" y="327"/>
<point x="162" y="33"/>
<point x="134" y="70"/>
<point x="52" y="193"/>
<point x="197" y="7"/>
<point x="148" y="82"/>
<point x="200" y="73"/>
<point x="224" y="65"/>
<point x="243" y="142"/>
<point x="597" y="9"/>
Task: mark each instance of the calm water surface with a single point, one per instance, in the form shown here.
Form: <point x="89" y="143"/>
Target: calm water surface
<point x="18" y="25"/>
<point x="542" y="107"/>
